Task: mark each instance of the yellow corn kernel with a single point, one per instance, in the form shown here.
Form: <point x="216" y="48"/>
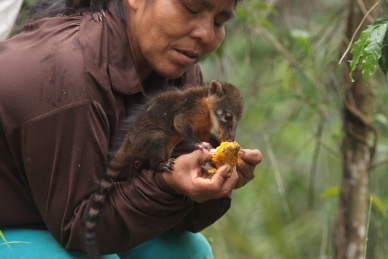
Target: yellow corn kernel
<point x="227" y="153"/>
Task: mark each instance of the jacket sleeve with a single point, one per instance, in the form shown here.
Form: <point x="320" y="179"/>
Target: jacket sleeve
<point x="63" y="154"/>
<point x="204" y="214"/>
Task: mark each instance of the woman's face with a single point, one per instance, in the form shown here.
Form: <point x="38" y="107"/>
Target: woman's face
<point x="169" y="36"/>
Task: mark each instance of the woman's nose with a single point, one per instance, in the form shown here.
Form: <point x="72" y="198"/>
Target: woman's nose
<point x="204" y="30"/>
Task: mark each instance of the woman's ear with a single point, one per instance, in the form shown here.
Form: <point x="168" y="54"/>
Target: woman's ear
<point x="134" y="4"/>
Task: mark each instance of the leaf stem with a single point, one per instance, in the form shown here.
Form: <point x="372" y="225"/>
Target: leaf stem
<point x="367" y="225"/>
<point x="5" y="240"/>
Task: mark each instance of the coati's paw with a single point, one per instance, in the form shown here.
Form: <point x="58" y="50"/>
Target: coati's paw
<point x="203" y="145"/>
<point x="166" y="165"/>
<point x="98" y="16"/>
<point x="170" y="163"/>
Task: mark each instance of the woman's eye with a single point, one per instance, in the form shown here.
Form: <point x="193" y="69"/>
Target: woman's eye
<point x="191" y="11"/>
<point x="220" y="21"/>
<point x="218" y="24"/>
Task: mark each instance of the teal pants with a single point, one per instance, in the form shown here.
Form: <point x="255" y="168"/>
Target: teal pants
<point x="42" y="245"/>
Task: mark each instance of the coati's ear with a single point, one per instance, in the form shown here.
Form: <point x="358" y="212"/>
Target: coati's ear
<point x="215" y="88"/>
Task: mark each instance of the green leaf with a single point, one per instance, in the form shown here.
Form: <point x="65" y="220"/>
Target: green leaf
<point x="253" y="11"/>
<point x="303" y="38"/>
<point x="15" y="242"/>
<point x="372" y="51"/>
<point x="381" y="118"/>
<point x="241" y="11"/>
<point x="378" y="204"/>
<point x="381" y="20"/>
<point x="358" y="49"/>
<point x="5" y="240"/>
<point x="265" y="22"/>
<point x="383" y="61"/>
<point x="333" y="191"/>
<point x="263" y="6"/>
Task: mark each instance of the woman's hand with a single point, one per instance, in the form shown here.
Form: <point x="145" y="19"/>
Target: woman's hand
<point x="191" y="179"/>
<point x="246" y="168"/>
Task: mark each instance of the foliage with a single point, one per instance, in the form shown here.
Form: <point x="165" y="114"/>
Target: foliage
<point x="371" y="49"/>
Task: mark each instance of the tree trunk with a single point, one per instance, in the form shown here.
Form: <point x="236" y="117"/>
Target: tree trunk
<point x="350" y="234"/>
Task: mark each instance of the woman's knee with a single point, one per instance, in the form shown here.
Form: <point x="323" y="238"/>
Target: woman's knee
<point x="173" y="245"/>
<point x="22" y="243"/>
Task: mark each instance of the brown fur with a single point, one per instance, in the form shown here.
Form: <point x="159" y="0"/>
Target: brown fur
<point x="195" y="115"/>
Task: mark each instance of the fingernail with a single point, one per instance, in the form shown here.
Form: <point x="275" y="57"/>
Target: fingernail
<point x="229" y="171"/>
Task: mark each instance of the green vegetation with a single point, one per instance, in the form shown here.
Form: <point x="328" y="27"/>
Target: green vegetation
<point x="371" y="49"/>
<point x="284" y="57"/>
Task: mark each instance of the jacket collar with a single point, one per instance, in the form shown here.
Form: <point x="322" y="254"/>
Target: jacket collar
<point x="121" y="61"/>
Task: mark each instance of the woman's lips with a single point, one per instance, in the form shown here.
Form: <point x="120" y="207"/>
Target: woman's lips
<point x="187" y="57"/>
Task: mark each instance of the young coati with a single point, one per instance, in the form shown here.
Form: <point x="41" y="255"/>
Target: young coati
<point x="96" y="6"/>
<point x="197" y="114"/>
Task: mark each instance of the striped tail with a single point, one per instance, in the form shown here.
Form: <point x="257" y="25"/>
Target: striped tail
<point x="94" y="211"/>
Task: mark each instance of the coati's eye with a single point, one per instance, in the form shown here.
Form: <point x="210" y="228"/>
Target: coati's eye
<point x="228" y="117"/>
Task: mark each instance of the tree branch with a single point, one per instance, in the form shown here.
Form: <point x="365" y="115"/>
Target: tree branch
<point x="378" y="164"/>
<point x="367" y="122"/>
<point x="365" y="11"/>
<point x="313" y="170"/>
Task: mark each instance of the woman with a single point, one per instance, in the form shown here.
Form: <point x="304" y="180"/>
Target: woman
<point x="66" y="82"/>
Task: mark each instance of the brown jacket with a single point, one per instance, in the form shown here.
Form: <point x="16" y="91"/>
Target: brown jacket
<point x="65" y="85"/>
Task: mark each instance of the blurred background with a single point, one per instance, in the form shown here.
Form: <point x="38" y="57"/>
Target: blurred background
<point x="284" y="56"/>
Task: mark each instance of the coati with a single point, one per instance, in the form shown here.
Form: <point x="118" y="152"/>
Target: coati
<point x="96" y="6"/>
<point x="196" y="114"/>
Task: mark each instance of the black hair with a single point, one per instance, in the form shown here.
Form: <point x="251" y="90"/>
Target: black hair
<point x="51" y="8"/>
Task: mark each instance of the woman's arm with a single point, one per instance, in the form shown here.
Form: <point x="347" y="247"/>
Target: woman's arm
<point x="211" y="195"/>
<point x="63" y="155"/>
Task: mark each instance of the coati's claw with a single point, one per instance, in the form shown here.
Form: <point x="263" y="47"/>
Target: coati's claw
<point x="203" y="145"/>
<point x="166" y="166"/>
<point x="170" y="164"/>
<point x="98" y="16"/>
